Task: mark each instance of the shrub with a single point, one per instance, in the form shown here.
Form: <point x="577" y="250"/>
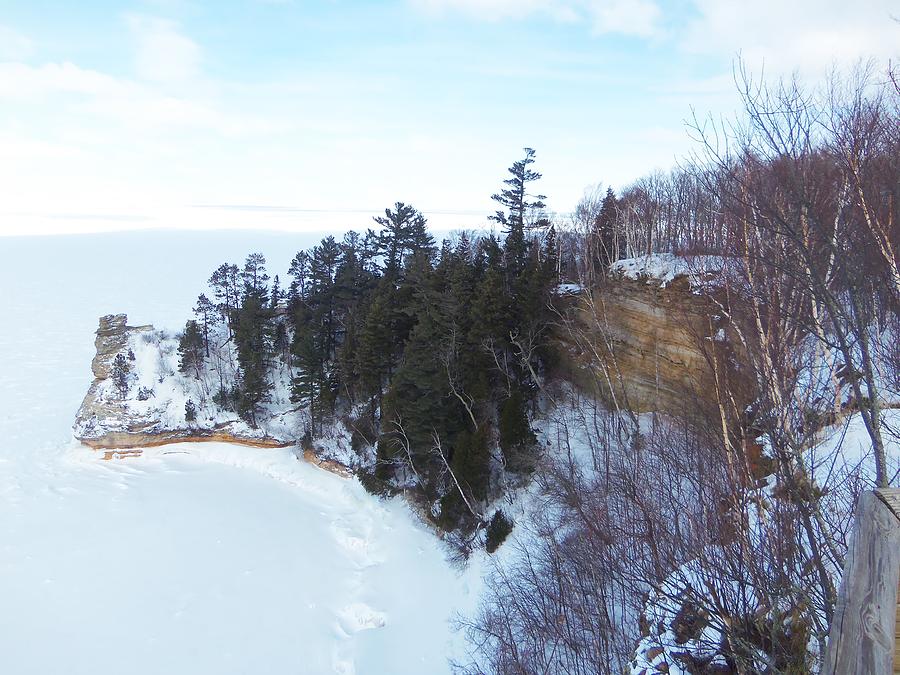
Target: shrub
<point x="375" y="486"/>
<point x="517" y="440"/>
<point x="497" y="531"/>
<point x="190" y="411"/>
<point x="226" y="399"/>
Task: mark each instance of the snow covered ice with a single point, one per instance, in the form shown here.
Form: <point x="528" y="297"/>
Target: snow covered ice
<point x="194" y="558"/>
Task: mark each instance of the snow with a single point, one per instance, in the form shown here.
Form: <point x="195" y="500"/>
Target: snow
<point x="569" y="289"/>
<point x="193" y="558"/>
<point x="154" y="371"/>
<point x="665" y="267"/>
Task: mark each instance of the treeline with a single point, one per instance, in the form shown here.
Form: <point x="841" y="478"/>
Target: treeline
<point x="433" y="355"/>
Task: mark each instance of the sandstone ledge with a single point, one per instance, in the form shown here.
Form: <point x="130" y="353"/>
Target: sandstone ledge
<point x="127" y="440"/>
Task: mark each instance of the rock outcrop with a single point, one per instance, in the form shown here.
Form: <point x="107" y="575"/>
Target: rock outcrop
<point x="646" y="343"/>
<point x="106" y="420"/>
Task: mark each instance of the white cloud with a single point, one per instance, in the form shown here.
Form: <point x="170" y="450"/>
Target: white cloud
<point x="22" y="81"/>
<point x="162" y="52"/>
<point x="627" y="17"/>
<point x="13" y="45"/>
<point x="131" y="105"/>
<point x="804" y="35"/>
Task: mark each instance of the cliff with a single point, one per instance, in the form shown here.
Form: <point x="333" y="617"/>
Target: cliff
<point x="152" y="411"/>
<point x="646" y="336"/>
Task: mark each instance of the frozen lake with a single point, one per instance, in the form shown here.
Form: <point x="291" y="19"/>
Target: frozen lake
<point x="209" y="559"/>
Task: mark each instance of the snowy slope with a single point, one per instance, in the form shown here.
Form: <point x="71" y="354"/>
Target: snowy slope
<point x="192" y="559"/>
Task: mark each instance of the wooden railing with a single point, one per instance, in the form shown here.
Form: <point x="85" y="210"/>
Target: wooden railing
<point x="864" y="634"/>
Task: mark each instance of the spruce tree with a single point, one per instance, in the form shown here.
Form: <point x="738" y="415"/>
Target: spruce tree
<point x="275" y="295"/>
<point x="309" y="382"/>
<point x="253" y="335"/>
<point x="373" y="359"/>
<point x="605" y="231"/>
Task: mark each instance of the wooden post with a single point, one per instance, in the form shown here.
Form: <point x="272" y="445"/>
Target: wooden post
<point x="863" y="631"/>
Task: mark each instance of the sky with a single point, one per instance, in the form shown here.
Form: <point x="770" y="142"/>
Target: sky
<point x="317" y="114"/>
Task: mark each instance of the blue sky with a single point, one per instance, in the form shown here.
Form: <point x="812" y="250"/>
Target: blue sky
<point x="312" y="114"/>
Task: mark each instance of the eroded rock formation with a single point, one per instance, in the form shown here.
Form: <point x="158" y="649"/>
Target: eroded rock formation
<point x="649" y="345"/>
<point x="106" y="420"/>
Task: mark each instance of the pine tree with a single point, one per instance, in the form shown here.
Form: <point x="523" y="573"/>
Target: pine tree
<point x="321" y="294"/>
<point x="254" y="278"/>
<point x="207" y="317"/>
<point x="190" y="349"/>
<point x="404" y="232"/>
<point x="299" y="273"/>
<point x="519" y="205"/>
<point x="119" y="375"/>
<point x="225" y="285"/>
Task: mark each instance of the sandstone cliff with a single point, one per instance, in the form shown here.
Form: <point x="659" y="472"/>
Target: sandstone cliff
<point x="152" y="412"/>
<point x="645" y="339"/>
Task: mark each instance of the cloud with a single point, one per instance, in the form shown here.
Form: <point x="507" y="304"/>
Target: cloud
<point x="808" y="36"/>
<point x="627" y="17"/>
<point x="162" y="52"/>
<point x="22" y="81"/>
<point x="130" y="104"/>
<point x="13" y="45"/>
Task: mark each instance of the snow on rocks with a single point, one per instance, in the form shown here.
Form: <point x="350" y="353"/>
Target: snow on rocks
<point x="153" y="409"/>
<point x="664" y="268"/>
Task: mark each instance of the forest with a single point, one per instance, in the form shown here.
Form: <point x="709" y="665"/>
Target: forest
<point x="708" y="539"/>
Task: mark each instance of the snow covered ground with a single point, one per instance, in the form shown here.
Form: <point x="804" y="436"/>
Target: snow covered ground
<point x="194" y="559"/>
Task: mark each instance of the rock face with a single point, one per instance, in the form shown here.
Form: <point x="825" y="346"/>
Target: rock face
<point x="106" y="420"/>
<point x="646" y="344"/>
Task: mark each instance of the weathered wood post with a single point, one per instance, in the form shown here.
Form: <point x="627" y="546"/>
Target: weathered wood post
<point x="863" y="635"/>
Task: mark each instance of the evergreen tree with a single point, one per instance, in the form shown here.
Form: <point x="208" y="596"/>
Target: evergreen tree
<point x="518" y="204"/>
<point x="321" y="294"/>
<point x="254" y="278"/>
<point x="119" y="375"/>
<point x="404" y="231"/>
<point x="207" y="317"/>
<point x="190" y="411"/>
<point x="373" y="359"/>
<point x="309" y="383"/>
<point x="275" y="295"/>
<point x="517" y="440"/>
<point x="299" y="273"/>
<point x="605" y="231"/>
<point x="472" y="461"/>
<point x="190" y="349"/>
<point x="253" y="338"/>
<point x="225" y="285"/>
